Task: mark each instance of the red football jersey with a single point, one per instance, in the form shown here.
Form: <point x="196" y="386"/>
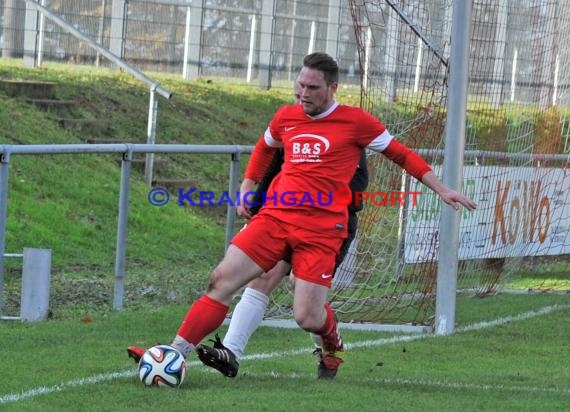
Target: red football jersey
<point x="321" y="155"/>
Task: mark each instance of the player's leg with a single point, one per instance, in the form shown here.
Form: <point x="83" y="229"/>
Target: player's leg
<point x="316" y="339"/>
<point x="251" y="308"/>
<point x="313" y="314"/>
<point x="352" y="227"/>
<point x="314" y="264"/>
<point x="242" y="263"/>
<point x="246" y="317"/>
<point x="208" y="312"/>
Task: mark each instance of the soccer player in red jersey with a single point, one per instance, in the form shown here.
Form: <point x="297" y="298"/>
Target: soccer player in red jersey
<point x="322" y="141"/>
<point x="248" y="313"/>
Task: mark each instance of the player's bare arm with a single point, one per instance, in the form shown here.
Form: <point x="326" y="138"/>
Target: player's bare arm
<point x="417" y="167"/>
<point x="448" y="195"/>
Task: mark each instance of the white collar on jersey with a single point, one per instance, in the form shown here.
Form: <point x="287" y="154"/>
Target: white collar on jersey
<point x="326" y="113"/>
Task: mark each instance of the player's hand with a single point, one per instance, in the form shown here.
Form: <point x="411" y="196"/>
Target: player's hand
<point x="456" y="199"/>
<point x="447" y="194"/>
<point x="242" y="209"/>
<point x="246" y="189"/>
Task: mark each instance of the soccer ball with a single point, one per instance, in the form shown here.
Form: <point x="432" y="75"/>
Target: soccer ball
<point x="162" y="366"/>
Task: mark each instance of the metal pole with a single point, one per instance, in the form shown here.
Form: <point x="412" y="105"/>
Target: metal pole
<point x="402" y="224"/>
<point x="392" y="42"/>
<point x="453" y="167"/>
<point x="233" y="188"/>
<point x="333" y="24"/>
<point x="251" y="48"/>
<point x="292" y="40"/>
<point x="196" y="32"/>
<point x="151" y="135"/>
<point x="500" y="47"/>
<point x="101" y="28"/>
<point x="555" y="83"/>
<point x="514" y="75"/>
<point x="41" y="36"/>
<point x="367" y="56"/>
<point x="418" y="66"/>
<point x="122" y="226"/>
<point x="266" y="43"/>
<point x="186" y="43"/>
<point x="31" y="30"/>
<point x="312" y="37"/>
<point x="4" y="170"/>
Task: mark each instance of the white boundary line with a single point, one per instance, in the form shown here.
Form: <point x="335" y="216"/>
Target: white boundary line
<point x="405" y="328"/>
<point x="44" y="390"/>
<point x="424" y="382"/>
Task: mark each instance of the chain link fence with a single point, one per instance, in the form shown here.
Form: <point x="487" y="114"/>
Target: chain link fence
<point x="234" y="39"/>
<point x="264" y="42"/>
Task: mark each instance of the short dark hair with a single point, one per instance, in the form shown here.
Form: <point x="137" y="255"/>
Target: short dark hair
<point x="324" y="63"/>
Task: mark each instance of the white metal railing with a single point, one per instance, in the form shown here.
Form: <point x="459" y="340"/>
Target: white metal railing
<point x="154" y="86"/>
<point x="126" y="151"/>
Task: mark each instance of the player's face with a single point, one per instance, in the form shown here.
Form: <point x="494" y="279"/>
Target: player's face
<point x="316" y="96"/>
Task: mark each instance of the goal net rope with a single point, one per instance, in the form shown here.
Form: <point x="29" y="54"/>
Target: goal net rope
<point x="516" y="157"/>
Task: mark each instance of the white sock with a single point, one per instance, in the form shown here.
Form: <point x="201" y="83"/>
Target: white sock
<point x="317" y="340"/>
<point x="182" y="345"/>
<point x="246" y="317"/>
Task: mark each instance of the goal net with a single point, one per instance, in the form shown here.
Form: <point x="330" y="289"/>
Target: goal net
<point x="516" y="157"/>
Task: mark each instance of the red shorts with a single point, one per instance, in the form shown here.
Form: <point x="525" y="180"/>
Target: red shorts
<point x="267" y="240"/>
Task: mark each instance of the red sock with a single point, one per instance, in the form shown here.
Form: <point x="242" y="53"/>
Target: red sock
<point x="204" y="316"/>
<point x="329" y="332"/>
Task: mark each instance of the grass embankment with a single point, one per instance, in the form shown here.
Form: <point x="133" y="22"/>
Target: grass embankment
<point x="69" y="203"/>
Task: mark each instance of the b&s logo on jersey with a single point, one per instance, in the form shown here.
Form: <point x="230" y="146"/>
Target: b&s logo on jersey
<point x="307" y="148"/>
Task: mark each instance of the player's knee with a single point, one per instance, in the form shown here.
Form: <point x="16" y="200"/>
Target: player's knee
<point x="216" y="279"/>
<point x="307" y="320"/>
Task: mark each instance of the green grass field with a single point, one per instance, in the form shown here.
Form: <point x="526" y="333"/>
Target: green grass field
<point x="509" y="353"/>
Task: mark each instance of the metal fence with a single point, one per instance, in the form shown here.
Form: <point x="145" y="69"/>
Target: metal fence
<point x="516" y="61"/>
<point x="244" y="40"/>
<point x="263" y="42"/>
<point x="126" y="151"/>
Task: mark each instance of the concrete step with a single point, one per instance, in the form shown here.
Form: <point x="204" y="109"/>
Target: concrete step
<point x="30" y="89"/>
<point x="46" y="104"/>
<point x="158" y="164"/>
<point x="139" y="164"/>
<point x="173" y="184"/>
<point x="105" y="140"/>
<point x="81" y="124"/>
